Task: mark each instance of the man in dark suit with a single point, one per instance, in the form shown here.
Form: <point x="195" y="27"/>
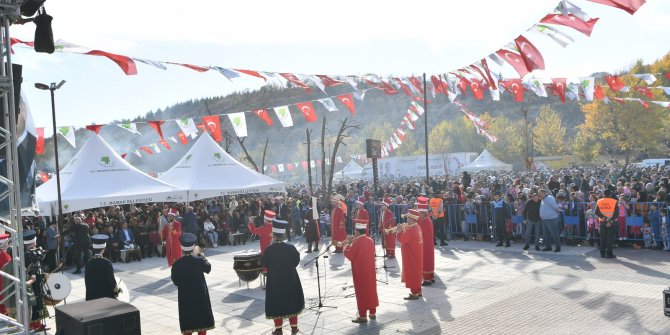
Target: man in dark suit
<point x="190" y="221"/>
<point x="125" y="234"/>
<point x="82" y="243"/>
<point x="99" y="277"/>
<point x="284" y="213"/>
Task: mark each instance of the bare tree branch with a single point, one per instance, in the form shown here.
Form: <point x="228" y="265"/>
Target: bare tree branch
<point x="246" y="153"/>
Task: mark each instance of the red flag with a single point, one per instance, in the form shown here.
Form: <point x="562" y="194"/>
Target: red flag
<point x="559" y="87"/>
<point x="213" y="125"/>
<point x="476" y="87"/>
<point x="418" y="83"/>
<point x="263" y="115"/>
<point x="165" y="144"/>
<point x="44" y="177"/>
<point x="124" y="156"/>
<point x="378" y="86"/>
<point x="440" y="86"/>
<point x="462" y="84"/>
<point x="328" y="81"/>
<point x="599" y="93"/>
<point x="290" y="167"/>
<point x="645" y="104"/>
<point x="388" y="89"/>
<point x="157" y="127"/>
<point x="492" y="82"/>
<point x="125" y="63"/>
<point x="307" y="109"/>
<point x="94" y="128"/>
<point x="514" y="86"/>
<point x="514" y="59"/>
<point x="630" y="6"/>
<point x="191" y="66"/>
<point x="403" y="86"/>
<point x="182" y="137"/>
<point x="39" y="145"/>
<point x="295" y="81"/>
<point x="667" y="75"/>
<point x="481" y="74"/>
<point x="584" y="27"/>
<point x="273" y="168"/>
<point x="304" y="164"/>
<point x="619" y="100"/>
<point x="646" y="91"/>
<point x="529" y="53"/>
<point x="615" y="83"/>
<point x="348" y="100"/>
<point x="251" y="73"/>
<point x="147" y="150"/>
<point x="318" y="163"/>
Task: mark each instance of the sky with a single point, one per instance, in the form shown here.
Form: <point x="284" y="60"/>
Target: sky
<point x="348" y="37"/>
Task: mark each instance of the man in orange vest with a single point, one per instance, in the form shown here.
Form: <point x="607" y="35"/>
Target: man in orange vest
<point x="437" y="214"/>
<point x="606" y="211"/>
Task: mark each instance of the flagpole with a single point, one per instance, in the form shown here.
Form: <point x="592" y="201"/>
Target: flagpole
<point x="425" y="127"/>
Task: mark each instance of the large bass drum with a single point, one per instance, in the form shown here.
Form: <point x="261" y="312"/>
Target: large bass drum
<point x="122" y="292"/>
<point x="56" y="287"/>
<point x="247" y="266"/>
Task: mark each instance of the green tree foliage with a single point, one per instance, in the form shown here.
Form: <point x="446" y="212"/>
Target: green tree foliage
<point x="441" y="138"/>
<point x="586" y="148"/>
<point x="510" y="143"/>
<point x="549" y="134"/>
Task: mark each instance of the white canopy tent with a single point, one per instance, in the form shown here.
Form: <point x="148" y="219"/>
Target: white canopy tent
<point x="486" y="162"/>
<point x="97" y="176"/>
<point x="351" y="170"/>
<point x="207" y="171"/>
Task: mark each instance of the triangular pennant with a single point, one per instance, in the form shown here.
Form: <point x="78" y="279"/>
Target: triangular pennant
<point x="263" y="115"/>
<point x="213" y="125"/>
<point x="559" y="87"/>
<point x="157" y="127"/>
<point x="307" y="110"/>
<point x="131" y="127"/>
<point x="137" y="152"/>
<point x="68" y="134"/>
<point x="94" y="128"/>
<point x="284" y="116"/>
<point x="39" y="144"/>
<point x="588" y="87"/>
<point x="155" y="148"/>
<point x="165" y="144"/>
<point x="187" y="126"/>
<point x="348" y="100"/>
<point x="328" y="104"/>
<point x="182" y="137"/>
<point x="296" y="81"/>
<point x="173" y="139"/>
<point x="147" y="150"/>
<point x="239" y="122"/>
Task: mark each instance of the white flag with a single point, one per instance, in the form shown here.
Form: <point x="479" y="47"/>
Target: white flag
<point x="588" y="87"/>
<point x="647" y="77"/>
<point x="572" y="90"/>
<point x="327" y="161"/>
<point x="150" y="62"/>
<point x="411" y="87"/>
<point x="68" y="133"/>
<point x="187" y="126"/>
<point x="328" y="103"/>
<point x="418" y="108"/>
<point x="137" y="152"/>
<point x="239" y="122"/>
<point x="284" y="116"/>
<point x="338" y="159"/>
<point x="360" y="95"/>
<point x="494" y="57"/>
<point x="173" y="139"/>
<point x="280" y="167"/>
<point x="155" y="148"/>
<point x="536" y="86"/>
<point x="317" y="81"/>
<point x="666" y="90"/>
<point x="561" y="38"/>
<point x="312" y="164"/>
<point x="566" y="8"/>
<point x="351" y="80"/>
<point x="131" y="127"/>
<point x="665" y="104"/>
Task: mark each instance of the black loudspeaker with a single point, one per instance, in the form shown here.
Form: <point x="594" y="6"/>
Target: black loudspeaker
<point x="30" y="7"/>
<point x="666" y="302"/>
<point x="103" y="316"/>
<point x="373" y="148"/>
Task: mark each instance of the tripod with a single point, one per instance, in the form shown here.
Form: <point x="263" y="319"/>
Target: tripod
<point x="318" y="279"/>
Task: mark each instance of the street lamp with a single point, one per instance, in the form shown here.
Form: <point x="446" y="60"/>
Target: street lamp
<point x="53" y="87"/>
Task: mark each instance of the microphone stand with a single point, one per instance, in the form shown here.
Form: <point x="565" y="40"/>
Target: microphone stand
<point x="384" y="256"/>
<point x="318" y="278"/>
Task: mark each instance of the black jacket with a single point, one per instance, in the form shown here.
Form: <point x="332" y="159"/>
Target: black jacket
<point x="531" y="210"/>
<point x="99" y="279"/>
<point x="195" y="307"/>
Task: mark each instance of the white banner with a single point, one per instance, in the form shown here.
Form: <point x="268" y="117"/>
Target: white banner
<point x="239" y="122"/>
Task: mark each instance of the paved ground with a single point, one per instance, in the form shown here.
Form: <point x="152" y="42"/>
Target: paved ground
<point x="480" y="289"/>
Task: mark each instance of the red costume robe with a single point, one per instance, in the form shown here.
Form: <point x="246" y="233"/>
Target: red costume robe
<point x="338" y="225"/>
<point x="428" y="250"/>
<point x="4" y="259"/>
<point x="411" y="246"/>
<point x="387" y="222"/>
<point x="264" y="232"/>
<point x="361" y="253"/>
<point x="171" y="234"/>
<point x="364" y="215"/>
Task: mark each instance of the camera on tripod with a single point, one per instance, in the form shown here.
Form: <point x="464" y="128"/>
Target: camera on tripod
<point x="36" y="255"/>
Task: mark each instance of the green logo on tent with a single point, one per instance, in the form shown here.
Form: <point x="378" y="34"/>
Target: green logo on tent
<point x="106" y="161"/>
<point x="66" y="206"/>
<point x="217" y="157"/>
<point x="187" y="158"/>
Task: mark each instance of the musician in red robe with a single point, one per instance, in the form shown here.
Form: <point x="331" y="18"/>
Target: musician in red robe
<point x="411" y="247"/>
<point x="362" y="213"/>
<point x="171" y="234"/>
<point x="361" y="254"/>
<point x="264" y="232"/>
<point x="338" y="222"/>
<point x="387" y="222"/>
<point x="426" y="225"/>
<point x="4" y="259"/>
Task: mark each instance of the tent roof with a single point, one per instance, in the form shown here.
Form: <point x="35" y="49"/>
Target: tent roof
<point x="486" y="161"/>
<point x="352" y="169"/>
<point x="97" y="176"/>
<point x="207" y="171"/>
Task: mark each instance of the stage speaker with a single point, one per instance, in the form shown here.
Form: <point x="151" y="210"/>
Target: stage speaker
<point x="103" y="316"/>
<point x="373" y="148"/>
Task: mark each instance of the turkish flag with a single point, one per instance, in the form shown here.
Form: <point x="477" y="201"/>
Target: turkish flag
<point x="476" y="87"/>
<point x="290" y="167"/>
<point x="667" y="75"/>
<point x="263" y="115"/>
<point x="388" y="89"/>
<point x="615" y="83"/>
<point x="328" y="81"/>
<point x="584" y="27"/>
<point x="191" y="66"/>
<point x="619" y="100"/>
<point x="273" y="168"/>
<point x="440" y="86"/>
<point x="529" y="53"/>
<point x="157" y="127"/>
<point x="307" y="109"/>
<point x="44" y="177"/>
<point x="165" y="144"/>
<point x="251" y="73"/>
<point x="598" y="92"/>
<point x="124" y="156"/>
<point x="213" y="124"/>
<point x="645" y="104"/>
<point x="94" y="128"/>
<point x="304" y="164"/>
<point x="39" y="145"/>
<point x="630" y="6"/>
<point x="462" y="84"/>
<point x="559" y="87"/>
<point x="125" y="63"/>
<point x="514" y="59"/>
<point x="481" y="74"/>
<point x="418" y="83"/>
<point x="295" y="81"/>
<point x="348" y="100"/>
<point x="182" y="137"/>
<point x="403" y="86"/>
<point x="492" y="82"/>
<point x="514" y="86"/>
<point x="646" y="91"/>
<point x="147" y="150"/>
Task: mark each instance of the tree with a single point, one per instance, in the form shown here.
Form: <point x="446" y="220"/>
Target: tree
<point x="464" y="137"/>
<point x="586" y="148"/>
<point x="549" y="133"/>
<point x="345" y="127"/>
<point x="440" y="138"/>
<point x="509" y="146"/>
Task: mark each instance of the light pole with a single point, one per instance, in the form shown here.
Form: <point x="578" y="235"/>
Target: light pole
<point x="53" y="87"/>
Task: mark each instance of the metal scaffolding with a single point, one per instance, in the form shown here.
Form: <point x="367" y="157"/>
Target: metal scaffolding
<point x="9" y="11"/>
